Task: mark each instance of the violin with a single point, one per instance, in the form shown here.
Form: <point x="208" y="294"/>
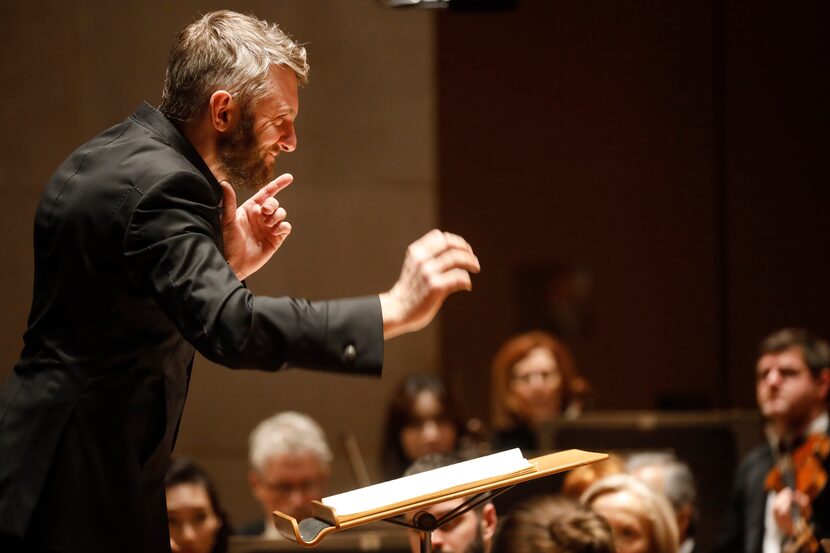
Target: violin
<point x="802" y="469"/>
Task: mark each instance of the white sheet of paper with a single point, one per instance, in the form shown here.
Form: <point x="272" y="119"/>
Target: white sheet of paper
<point x="416" y="485"/>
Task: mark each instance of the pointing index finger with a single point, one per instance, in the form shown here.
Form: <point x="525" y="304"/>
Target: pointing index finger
<point x="272" y="188"/>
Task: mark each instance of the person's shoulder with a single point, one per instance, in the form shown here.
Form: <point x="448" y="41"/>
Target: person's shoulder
<point x="754" y="465"/>
<point x="132" y="152"/>
<point x="761" y="453"/>
<point x="147" y="147"/>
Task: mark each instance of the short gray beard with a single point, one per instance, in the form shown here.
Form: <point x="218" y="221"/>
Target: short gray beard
<point x="240" y="158"/>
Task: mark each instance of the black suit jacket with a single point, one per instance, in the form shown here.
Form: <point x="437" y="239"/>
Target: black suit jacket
<point x="129" y="278"/>
<point x="743" y="530"/>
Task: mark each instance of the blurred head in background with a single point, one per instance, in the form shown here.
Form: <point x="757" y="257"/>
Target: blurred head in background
<point x="554" y="525"/>
<point x="421" y="419"/>
<point x="792" y="380"/>
<point x="534" y="379"/>
<point x="667" y="475"/>
<point x="471" y="532"/>
<point x="290" y="464"/>
<point x="642" y="520"/>
<point x="196" y="520"/>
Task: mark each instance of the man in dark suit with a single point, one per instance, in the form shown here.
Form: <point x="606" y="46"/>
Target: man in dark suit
<point x="140" y="257"/>
<point x="792" y="386"/>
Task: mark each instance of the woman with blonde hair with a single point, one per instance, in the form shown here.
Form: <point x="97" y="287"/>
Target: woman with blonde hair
<point x="642" y="520"/>
<point x="533" y="380"/>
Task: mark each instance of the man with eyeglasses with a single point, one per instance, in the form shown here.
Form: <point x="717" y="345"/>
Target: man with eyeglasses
<point x="290" y="466"/>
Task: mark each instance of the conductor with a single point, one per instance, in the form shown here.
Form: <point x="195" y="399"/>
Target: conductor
<point x="140" y="258"/>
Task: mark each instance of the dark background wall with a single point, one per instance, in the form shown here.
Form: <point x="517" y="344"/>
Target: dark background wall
<point x="673" y="155"/>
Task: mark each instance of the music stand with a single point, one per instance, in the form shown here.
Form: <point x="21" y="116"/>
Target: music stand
<point x="310" y="531"/>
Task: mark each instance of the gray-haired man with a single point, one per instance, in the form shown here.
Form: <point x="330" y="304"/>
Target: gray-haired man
<point x="140" y="253"/>
<point x="290" y="466"/>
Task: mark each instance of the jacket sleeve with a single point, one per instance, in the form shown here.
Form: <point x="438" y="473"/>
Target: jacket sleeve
<point x="171" y="252"/>
<point x="730" y="538"/>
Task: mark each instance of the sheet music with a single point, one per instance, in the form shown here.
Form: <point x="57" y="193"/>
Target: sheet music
<point x="416" y="485"/>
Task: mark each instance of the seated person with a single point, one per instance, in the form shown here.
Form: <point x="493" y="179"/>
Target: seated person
<point x="554" y="525"/>
<point x="533" y="380"/>
<point x="290" y="466"/>
<point x="672" y="478"/>
<point x="421" y="419"/>
<point x="196" y="520"/>
<point x="792" y="388"/>
<point x="642" y="520"/>
<point x="471" y="532"/>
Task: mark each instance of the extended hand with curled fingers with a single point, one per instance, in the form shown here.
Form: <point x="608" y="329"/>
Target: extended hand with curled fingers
<point x="436" y="265"/>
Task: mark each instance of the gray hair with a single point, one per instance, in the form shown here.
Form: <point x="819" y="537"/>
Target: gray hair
<point x="287" y="432"/>
<point x="654" y="507"/>
<point x="225" y="50"/>
<point x="678" y="481"/>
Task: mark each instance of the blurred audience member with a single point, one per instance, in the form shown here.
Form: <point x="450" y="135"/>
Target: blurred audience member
<point x="196" y="520"/>
<point x="421" y="419"/>
<point x="290" y="466"/>
<point x="534" y="380"/>
<point x="792" y="381"/>
<point x="581" y="478"/>
<point x="641" y="519"/>
<point x="554" y="525"/>
<point x="667" y="475"/>
<point x="471" y="532"/>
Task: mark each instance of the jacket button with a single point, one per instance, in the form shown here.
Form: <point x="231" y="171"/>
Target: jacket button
<point x="350" y="354"/>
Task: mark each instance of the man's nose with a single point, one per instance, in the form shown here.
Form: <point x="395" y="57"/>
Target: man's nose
<point x="437" y="540"/>
<point x="298" y="497"/>
<point x="288" y="141"/>
<point x="773" y="377"/>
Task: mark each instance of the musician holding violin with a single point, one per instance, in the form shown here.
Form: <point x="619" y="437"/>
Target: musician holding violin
<point x="781" y="499"/>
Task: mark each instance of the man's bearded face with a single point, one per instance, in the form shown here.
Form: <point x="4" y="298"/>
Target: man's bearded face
<point x="242" y="160"/>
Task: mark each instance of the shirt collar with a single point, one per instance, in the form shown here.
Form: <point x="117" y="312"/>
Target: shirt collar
<point x="151" y="118"/>
<point x="819" y="425"/>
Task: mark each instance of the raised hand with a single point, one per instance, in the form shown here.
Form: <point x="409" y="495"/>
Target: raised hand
<point x="254" y="231"/>
<point x="435" y="266"/>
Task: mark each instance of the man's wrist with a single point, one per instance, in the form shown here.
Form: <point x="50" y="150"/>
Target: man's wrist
<point x="391" y="313"/>
<point x="240" y="275"/>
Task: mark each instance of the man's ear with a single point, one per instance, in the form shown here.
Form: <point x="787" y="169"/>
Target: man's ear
<point x="488" y="522"/>
<point x="224" y="111"/>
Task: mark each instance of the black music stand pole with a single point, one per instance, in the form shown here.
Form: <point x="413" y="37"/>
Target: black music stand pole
<point x="426" y="523"/>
